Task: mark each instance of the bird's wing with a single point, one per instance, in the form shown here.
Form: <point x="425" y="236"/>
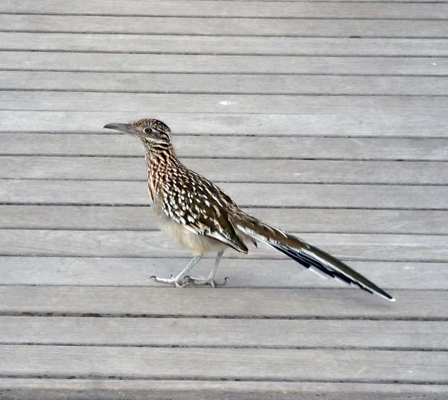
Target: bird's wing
<point x="202" y="207"/>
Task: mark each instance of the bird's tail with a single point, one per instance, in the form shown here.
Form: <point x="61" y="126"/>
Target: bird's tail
<point x="309" y="256"/>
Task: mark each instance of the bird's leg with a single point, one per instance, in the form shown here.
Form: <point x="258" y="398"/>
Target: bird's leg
<point x="210" y="280"/>
<point x="179" y="280"/>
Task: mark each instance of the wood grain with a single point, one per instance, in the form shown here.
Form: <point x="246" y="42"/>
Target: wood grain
<point x="277" y="125"/>
<point x="225" y="84"/>
<point x="278" y="364"/>
<point x="327" y="119"/>
<point x="238" y="147"/>
<point x="164" y="302"/>
<point x="216" y="45"/>
<point x="203" y="332"/>
<point x="224" y="26"/>
<point x="214" y="390"/>
<point x="233" y="9"/>
<point x="379" y="106"/>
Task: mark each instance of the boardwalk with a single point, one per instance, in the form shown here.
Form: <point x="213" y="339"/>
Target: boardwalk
<point x="327" y="119"/>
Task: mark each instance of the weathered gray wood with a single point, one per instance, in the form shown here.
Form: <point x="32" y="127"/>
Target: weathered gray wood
<point x="389" y="217"/>
<point x="262" y="303"/>
<point x="225" y="84"/>
<point x="84" y="389"/>
<point x="384" y="247"/>
<point x="238" y="146"/>
<point x="245" y="194"/>
<point x="237" y="124"/>
<point x="168" y="44"/>
<point x="278" y="364"/>
<point x="304" y="220"/>
<point x="225" y="26"/>
<point x="230" y="170"/>
<point x="379" y="106"/>
<point x="232" y="9"/>
<point x="245" y="272"/>
<point x="224" y="332"/>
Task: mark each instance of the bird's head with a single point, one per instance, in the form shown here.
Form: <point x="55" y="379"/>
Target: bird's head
<point x="149" y="131"/>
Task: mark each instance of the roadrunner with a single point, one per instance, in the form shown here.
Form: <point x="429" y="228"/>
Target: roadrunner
<point x="198" y="215"/>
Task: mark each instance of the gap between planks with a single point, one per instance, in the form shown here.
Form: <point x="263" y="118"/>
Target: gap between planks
<point x="316" y="106"/>
<point x="133" y="45"/>
<point x="82" y="389"/>
<point x="230" y="27"/>
<point x="285" y="134"/>
<point x="215" y="363"/>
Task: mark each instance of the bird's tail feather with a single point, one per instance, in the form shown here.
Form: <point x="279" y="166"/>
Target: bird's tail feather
<point x="305" y="254"/>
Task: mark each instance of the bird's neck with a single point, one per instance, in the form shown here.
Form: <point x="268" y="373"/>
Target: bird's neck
<point x="162" y="161"/>
<point x="161" y="156"/>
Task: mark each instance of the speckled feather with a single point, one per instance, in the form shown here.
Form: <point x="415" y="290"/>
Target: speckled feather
<point x="190" y="199"/>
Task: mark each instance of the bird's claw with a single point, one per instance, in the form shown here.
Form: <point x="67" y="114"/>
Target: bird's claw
<point x="175" y="281"/>
<point x="205" y="281"/>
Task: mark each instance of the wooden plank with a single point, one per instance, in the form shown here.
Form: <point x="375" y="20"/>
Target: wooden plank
<point x="307" y="220"/>
<point x="204" y="332"/>
<point x="225" y="302"/>
<point x="168" y="44"/>
<point x="241" y="273"/>
<point x="245" y="194"/>
<point x="426" y="127"/>
<point x="232" y="9"/>
<point x="378" y="106"/>
<point x="217" y="363"/>
<point x="220" y="147"/>
<point x="236" y="124"/>
<point x="213" y="390"/>
<point x="178" y="63"/>
<point x="225" y="84"/>
<point x="261" y="303"/>
<point x="230" y="170"/>
<point x="381" y="247"/>
<point x="224" y="26"/>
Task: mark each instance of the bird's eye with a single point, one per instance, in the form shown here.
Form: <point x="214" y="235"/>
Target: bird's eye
<point x="147" y="130"/>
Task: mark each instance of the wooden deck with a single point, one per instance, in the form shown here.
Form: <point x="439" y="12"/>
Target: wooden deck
<point x="327" y="119"/>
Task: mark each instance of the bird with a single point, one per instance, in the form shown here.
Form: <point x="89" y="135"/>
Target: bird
<point x="199" y="216"/>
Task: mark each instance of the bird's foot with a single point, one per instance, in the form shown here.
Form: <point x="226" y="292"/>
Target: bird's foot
<point x="205" y="281"/>
<point x="177" y="281"/>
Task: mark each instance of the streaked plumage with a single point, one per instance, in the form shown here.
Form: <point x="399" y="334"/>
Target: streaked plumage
<point x="198" y="215"/>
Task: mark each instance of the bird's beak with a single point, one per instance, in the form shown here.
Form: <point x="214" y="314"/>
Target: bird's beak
<point x="126" y="128"/>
